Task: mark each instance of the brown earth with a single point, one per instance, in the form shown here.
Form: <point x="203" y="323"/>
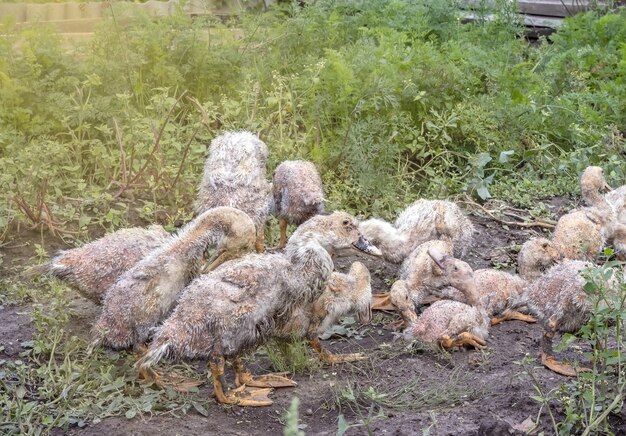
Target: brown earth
<point x="465" y="392"/>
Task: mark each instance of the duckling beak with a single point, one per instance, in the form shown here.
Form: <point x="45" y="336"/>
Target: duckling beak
<point x="365" y="246"/>
<point x="607" y="187"/>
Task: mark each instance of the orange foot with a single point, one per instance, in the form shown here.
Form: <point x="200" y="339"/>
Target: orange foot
<point x="264" y="381"/>
<point x="465" y="338"/>
<point x="332" y="359"/>
<point x="561" y="368"/>
<point x="245" y="397"/>
<point x="173" y="381"/>
<point x="382" y="302"/>
<point x="512" y="315"/>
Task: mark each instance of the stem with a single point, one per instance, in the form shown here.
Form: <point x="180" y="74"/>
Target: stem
<point x="616" y="402"/>
<point x="185" y="152"/>
<point x="157" y="143"/>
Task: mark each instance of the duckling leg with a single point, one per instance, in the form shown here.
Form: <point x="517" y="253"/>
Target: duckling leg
<point x="330" y="358"/>
<point x="512" y="315"/>
<point x="382" y="302"/>
<point x="549" y="361"/>
<point x="240" y="396"/>
<point x="259" y="244"/>
<point x="243" y="377"/>
<point x="283" y="233"/>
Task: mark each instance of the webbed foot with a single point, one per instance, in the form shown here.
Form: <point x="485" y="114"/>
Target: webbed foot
<point x="382" y="302"/>
<point x="554" y="365"/>
<point x="264" y="381"/>
<point x="512" y="315"/>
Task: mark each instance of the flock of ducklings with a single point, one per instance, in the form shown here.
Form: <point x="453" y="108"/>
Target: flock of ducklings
<point x="160" y="289"/>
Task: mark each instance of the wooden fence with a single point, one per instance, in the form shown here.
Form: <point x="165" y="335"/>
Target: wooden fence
<point x="81" y="18"/>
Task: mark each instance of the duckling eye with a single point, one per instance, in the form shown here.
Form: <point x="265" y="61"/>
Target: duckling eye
<point x="346" y="222"/>
<point x="545" y="245"/>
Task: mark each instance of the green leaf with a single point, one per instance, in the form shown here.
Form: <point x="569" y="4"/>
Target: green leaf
<point x="504" y="156"/>
<point x="482" y="159"/>
<point x="342" y="425"/>
<point x="20" y="392"/>
<point x="200" y="409"/>
<point x="83" y="220"/>
<point x="130" y="414"/>
<point x="483" y="192"/>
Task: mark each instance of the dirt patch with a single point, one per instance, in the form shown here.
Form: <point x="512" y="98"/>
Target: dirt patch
<point x="398" y="390"/>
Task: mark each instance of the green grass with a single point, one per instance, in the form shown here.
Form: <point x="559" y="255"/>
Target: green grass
<point x="55" y="383"/>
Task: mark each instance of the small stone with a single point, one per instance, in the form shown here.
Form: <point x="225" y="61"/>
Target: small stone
<point x="309" y="412"/>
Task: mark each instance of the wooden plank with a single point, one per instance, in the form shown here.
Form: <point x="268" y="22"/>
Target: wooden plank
<point x="529" y="20"/>
<point x="550" y="8"/>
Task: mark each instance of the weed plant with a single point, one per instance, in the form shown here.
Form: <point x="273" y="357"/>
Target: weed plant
<point x="55" y="384"/>
<point x="392" y="101"/>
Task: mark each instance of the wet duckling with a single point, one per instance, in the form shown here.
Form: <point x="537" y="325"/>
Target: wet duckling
<point x="235" y="176"/>
<point x="450" y="323"/>
<point x="420" y="222"/>
<point x="146" y="293"/>
<point x="94" y="267"/>
<point x="298" y="194"/>
<point x="582" y="233"/>
<point x="344" y="294"/>
<point x="499" y="291"/>
<point x="558" y="301"/>
<point x="419" y="275"/>
<point x="242" y="304"/>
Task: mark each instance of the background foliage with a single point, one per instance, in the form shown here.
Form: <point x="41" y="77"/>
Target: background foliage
<point x="392" y="100"/>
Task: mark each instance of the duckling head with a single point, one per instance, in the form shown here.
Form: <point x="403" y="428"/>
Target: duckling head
<point x="458" y="273"/>
<point x="593" y="181"/>
<point x="336" y="232"/>
<point x="538" y="252"/>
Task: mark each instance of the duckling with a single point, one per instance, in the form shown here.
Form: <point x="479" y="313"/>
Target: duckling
<point x="499" y="291"/>
<point x="592" y="183"/>
<point x="417" y="224"/>
<point x="582" y="233"/>
<point x="242" y="304"/>
<point x="446" y="322"/>
<point x="235" y="176"/>
<point x="344" y="293"/>
<point x="535" y="256"/>
<point x="419" y="274"/>
<point x="298" y="194"/>
<point x="94" y="267"/>
<point x="558" y="300"/>
<point x="144" y="294"/>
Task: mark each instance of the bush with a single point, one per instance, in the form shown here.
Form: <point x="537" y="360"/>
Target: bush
<point x="392" y="101"/>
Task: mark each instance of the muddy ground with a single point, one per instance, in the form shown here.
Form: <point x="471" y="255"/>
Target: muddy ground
<point x="466" y="392"/>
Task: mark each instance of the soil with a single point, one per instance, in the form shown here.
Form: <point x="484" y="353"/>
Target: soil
<point x="465" y="392"/>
